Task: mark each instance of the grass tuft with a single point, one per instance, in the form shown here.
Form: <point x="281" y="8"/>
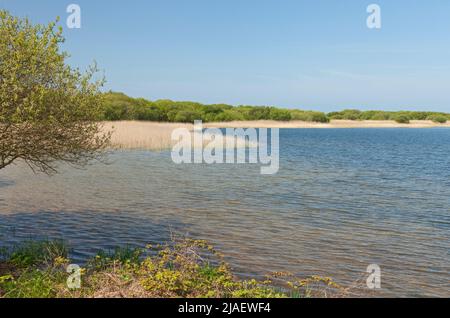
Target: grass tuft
<point x="37" y="254"/>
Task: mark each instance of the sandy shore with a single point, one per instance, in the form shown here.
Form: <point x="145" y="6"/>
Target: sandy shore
<point x="157" y="136"/>
<point x="331" y="124"/>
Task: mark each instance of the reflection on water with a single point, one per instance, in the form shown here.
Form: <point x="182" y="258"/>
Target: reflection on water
<point x="343" y="199"/>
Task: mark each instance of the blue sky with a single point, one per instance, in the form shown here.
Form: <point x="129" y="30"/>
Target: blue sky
<point x="298" y="54"/>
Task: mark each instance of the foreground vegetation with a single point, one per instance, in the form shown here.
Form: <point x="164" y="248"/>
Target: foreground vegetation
<point x="118" y="106"/>
<point x="189" y="268"/>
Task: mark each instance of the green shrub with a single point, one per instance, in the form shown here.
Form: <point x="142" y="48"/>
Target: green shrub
<point x="148" y="113"/>
<point x="348" y="114"/>
<point x="187" y="268"/>
<point x="319" y="117"/>
<point x="256" y="113"/>
<point x="441" y="119"/>
<point x="118" y="106"/>
<point x="230" y="115"/>
<point x="38" y="253"/>
<point x="309" y="116"/>
<point x="418" y="115"/>
<point x="187" y="116"/>
<point x="121" y="255"/>
<point x="32" y="284"/>
<point x="210" y="112"/>
<point x="280" y="114"/>
<point x="374" y="115"/>
<point x="379" y="116"/>
<point x="402" y="119"/>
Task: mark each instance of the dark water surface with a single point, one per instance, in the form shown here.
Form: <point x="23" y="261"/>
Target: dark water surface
<point x="343" y="199"/>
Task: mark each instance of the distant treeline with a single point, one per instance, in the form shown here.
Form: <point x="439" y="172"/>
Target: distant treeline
<point x="118" y="106"/>
<point x="400" y="116"/>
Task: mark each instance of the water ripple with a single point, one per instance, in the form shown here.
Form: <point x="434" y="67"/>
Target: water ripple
<point x="343" y="199"/>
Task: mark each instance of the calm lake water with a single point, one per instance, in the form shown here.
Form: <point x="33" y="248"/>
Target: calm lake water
<point x="343" y="199"/>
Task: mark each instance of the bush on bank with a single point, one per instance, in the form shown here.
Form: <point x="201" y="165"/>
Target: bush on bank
<point x="400" y="116"/>
<point x="188" y="268"/>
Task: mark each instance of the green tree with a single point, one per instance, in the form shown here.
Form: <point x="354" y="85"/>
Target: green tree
<point x="280" y="114"/>
<point x="437" y="118"/>
<point x="48" y="111"/>
<point x="401" y="119"/>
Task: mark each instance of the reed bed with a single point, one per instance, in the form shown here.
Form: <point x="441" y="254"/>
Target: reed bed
<point x="142" y="135"/>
